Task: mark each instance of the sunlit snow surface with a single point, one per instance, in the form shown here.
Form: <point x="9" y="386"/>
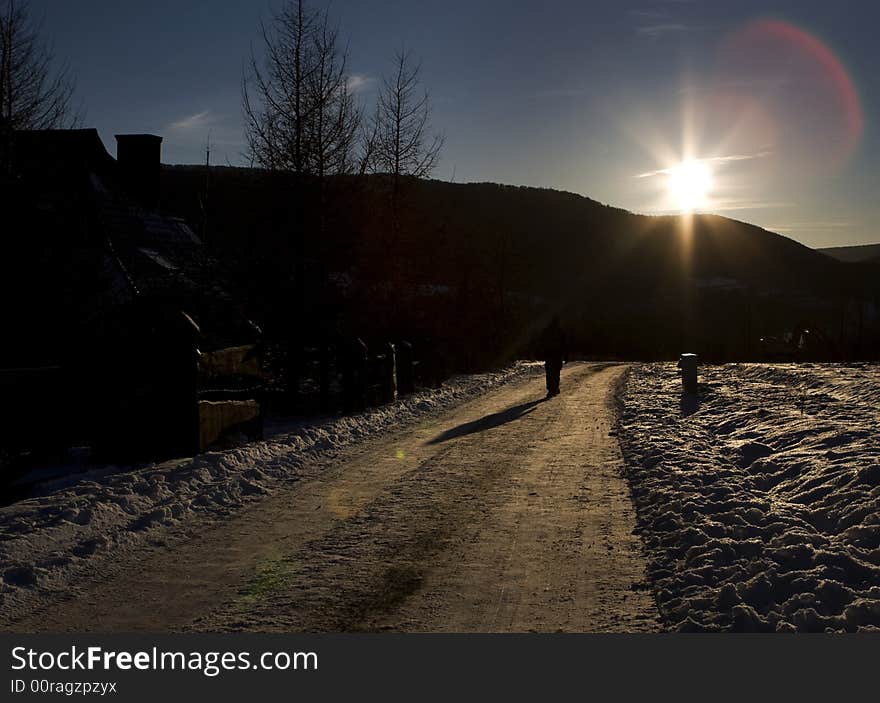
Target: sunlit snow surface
<point x="759" y="501"/>
<point x="45" y="542"/>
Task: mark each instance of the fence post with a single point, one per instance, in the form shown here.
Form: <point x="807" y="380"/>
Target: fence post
<point x="355" y="371"/>
<point x="324" y="375"/>
<point x="186" y="340"/>
<point x="293" y="369"/>
<point x="405" y="371"/>
<point x="389" y="381"/>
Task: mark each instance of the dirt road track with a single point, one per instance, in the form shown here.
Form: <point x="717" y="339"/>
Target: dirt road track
<point x="508" y="513"/>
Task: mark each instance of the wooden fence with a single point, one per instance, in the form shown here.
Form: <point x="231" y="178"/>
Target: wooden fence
<point x="167" y="400"/>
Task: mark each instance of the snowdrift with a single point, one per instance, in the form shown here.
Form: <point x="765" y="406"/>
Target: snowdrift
<point x="758" y="499"/>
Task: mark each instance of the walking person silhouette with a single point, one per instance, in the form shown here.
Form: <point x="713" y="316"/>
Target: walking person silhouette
<point x="555" y="354"/>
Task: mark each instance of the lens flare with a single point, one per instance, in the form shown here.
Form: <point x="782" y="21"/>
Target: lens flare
<point x="776" y="110"/>
<point x="801" y="82"/>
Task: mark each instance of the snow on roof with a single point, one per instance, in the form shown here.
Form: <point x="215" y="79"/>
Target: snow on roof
<point x="134" y="252"/>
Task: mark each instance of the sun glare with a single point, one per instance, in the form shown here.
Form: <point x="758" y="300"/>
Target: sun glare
<point x="689" y="185"/>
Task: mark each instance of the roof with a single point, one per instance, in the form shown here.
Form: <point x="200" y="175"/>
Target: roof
<point x="107" y="250"/>
<point x="164" y="261"/>
<point x="60" y="152"/>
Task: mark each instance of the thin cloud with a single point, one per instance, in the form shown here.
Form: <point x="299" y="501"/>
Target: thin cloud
<point x="810" y="226"/>
<point x="651" y="174"/>
<point x="755" y="83"/>
<point x="718" y="206"/>
<point x="659" y="21"/>
<point x="652" y="15"/>
<point x="358" y="82"/>
<point x="716" y="160"/>
<point x="560" y="93"/>
<point x="655" y="31"/>
<point x="199" y="120"/>
<point x="738" y="157"/>
<point x="734" y="205"/>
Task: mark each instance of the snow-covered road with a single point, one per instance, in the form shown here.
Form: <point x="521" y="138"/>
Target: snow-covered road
<point x="480" y="508"/>
<point x="84" y="524"/>
<point x="499" y="513"/>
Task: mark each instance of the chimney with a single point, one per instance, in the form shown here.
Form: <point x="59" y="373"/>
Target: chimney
<point x="139" y="158"/>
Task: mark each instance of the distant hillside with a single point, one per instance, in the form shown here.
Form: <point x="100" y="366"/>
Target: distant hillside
<point x="862" y="253"/>
<point x="483" y="265"/>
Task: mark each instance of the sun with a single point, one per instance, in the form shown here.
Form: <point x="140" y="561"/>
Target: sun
<point x="689" y="185"/>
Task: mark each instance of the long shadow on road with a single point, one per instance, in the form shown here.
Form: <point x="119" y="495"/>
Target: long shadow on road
<point x="488" y="422"/>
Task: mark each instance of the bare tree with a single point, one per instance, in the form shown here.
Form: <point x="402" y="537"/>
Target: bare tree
<point x="300" y="114"/>
<point x="301" y="119"/>
<point x="333" y="129"/>
<point x="35" y="93"/>
<point x="400" y="145"/>
<point x="403" y="145"/>
<point x="369" y="139"/>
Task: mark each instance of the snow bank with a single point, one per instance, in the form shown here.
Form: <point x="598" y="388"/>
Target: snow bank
<point x="758" y="500"/>
<point x="45" y="541"/>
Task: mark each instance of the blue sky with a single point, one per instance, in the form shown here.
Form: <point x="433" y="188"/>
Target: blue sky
<point x="598" y="98"/>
